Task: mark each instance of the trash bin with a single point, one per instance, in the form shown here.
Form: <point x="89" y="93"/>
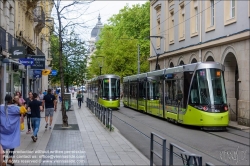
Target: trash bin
<point x="67" y="101"/>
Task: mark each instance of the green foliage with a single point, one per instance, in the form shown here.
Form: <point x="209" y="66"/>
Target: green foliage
<point x="74" y="59"/>
<point x="119" y="42"/>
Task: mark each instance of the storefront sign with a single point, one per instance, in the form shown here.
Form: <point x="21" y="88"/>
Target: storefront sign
<point x="17" y="52"/>
<point x="26" y="62"/>
<point x="39" y="62"/>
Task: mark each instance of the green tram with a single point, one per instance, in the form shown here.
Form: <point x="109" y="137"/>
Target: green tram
<point x="192" y="94"/>
<point x="105" y="90"/>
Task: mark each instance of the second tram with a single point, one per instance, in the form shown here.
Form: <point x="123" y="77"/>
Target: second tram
<point x="192" y="94"/>
<point x="105" y="90"/>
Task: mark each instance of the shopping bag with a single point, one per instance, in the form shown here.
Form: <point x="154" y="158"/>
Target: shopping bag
<point x="22" y="126"/>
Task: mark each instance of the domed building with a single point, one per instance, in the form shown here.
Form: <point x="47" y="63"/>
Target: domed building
<point x="94" y="38"/>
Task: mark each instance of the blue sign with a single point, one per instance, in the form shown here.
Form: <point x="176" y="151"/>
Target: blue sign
<point x="53" y="72"/>
<point x="169" y="76"/>
<point x="37" y="73"/>
<point x="26" y="62"/>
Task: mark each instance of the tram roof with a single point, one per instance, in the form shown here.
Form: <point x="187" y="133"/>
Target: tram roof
<point x="177" y="69"/>
<point x="108" y="76"/>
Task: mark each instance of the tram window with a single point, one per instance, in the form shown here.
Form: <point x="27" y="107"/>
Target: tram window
<point x="194" y="95"/>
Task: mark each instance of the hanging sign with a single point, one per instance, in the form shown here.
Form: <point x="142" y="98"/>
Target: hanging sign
<point x="39" y="62"/>
<point x="17" y="52"/>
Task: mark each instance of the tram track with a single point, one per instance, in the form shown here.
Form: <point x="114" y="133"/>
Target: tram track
<point x="164" y="133"/>
<point x="227" y="138"/>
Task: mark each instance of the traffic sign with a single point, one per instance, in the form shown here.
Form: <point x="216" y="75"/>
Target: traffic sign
<point x="37" y="73"/>
<point x="53" y="72"/>
<point x="26" y="62"/>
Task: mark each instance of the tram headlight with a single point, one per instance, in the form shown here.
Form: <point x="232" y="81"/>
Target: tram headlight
<point x="225" y="108"/>
<point x="205" y="108"/>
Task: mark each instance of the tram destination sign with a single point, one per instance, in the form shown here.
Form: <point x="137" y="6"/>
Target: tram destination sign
<point x="39" y="62"/>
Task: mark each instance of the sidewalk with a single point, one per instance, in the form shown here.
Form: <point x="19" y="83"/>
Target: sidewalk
<point x="85" y="142"/>
<point x="235" y="125"/>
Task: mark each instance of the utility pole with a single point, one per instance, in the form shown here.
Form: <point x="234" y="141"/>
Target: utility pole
<point x="138" y="58"/>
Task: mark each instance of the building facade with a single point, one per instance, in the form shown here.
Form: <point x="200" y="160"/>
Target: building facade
<point x="23" y="23"/>
<point x="198" y="31"/>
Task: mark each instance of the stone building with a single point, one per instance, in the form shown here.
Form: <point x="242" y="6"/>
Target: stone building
<point x="200" y="31"/>
<point x="23" y="23"/>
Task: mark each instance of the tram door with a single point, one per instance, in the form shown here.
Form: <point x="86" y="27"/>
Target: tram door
<point x="153" y="98"/>
<point x="133" y="95"/>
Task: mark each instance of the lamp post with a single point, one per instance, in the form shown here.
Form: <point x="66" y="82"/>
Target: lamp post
<point x="100" y="63"/>
<point x="157" y="66"/>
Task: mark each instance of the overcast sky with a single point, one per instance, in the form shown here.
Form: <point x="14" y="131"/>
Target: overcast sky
<point x="91" y="12"/>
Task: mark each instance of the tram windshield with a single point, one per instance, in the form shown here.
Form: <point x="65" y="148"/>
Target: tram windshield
<point x="115" y="88"/>
<point x="111" y="88"/>
<point x="208" y="87"/>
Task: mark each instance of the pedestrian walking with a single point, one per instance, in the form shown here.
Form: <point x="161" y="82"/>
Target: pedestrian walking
<point x="28" y="100"/>
<point x="9" y="127"/>
<point x="41" y="95"/>
<point x="79" y="98"/>
<point x="21" y="100"/>
<point x="50" y="106"/>
<point x="35" y="107"/>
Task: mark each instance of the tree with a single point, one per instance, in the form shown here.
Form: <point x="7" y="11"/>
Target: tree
<point x="74" y="59"/>
<point x="63" y="9"/>
<point x="119" y="40"/>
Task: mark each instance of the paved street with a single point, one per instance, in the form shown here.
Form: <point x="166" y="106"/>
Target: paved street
<point x="85" y="142"/>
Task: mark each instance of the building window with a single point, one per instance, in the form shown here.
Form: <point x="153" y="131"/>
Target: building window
<point x="182" y="22"/>
<point x="158" y="22"/>
<point x="209" y="15"/>
<point x="194" y="21"/>
<point x="230" y="12"/>
<point x="171" y="27"/>
<point x="232" y="8"/>
<point x="212" y="12"/>
<point x="158" y="40"/>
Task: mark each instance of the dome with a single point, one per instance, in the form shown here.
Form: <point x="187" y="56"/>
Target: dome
<point x="96" y="30"/>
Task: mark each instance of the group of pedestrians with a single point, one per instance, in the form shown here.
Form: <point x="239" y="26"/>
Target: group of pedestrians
<point x="11" y="115"/>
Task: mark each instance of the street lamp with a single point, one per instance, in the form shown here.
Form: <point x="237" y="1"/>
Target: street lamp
<point x="100" y="63"/>
<point x="157" y="66"/>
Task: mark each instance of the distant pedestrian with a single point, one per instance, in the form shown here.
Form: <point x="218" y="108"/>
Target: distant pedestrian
<point x="50" y="106"/>
<point x="41" y="95"/>
<point x="9" y="127"/>
<point x="45" y="92"/>
<point x="79" y="98"/>
<point x="28" y="100"/>
<point x="35" y="107"/>
<point x="59" y="96"/>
